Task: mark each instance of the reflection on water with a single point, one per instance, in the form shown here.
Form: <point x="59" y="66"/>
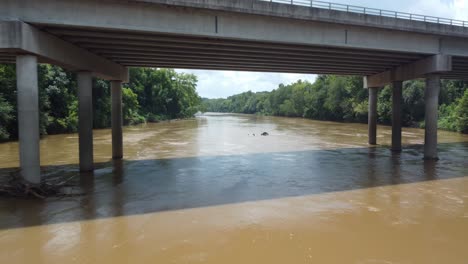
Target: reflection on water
<point x="207" y="190"/>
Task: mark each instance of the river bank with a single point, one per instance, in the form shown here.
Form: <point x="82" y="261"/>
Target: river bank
<point x="342" y="98"/>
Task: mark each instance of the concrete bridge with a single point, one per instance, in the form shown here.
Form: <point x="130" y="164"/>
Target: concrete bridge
<point x="103" y="38"/>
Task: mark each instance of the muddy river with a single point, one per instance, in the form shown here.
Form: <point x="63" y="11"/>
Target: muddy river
<point x="212" y="190"/>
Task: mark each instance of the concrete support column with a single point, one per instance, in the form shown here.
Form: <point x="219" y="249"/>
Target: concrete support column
<point x="372" y="121"/>
<point x="28" y="118"/>
<point x="432" y="103"/>
<point x="396" y="115"/>
<point x="85" y="120"/>
<point x="117" y="120"/>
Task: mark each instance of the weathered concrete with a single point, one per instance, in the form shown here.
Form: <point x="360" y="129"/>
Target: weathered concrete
<point x="117" y="120"/>
<point x="85" y="120"/>
<point x="396" y="115"/>
<point x="372" y="122"/>
<point x="242" y="20"/>
<point x="241" y="35"/>
<point x="302" y="12"/>
<point x="435" y="64"/>
<point x="28" y="118"/>
<point x="431" y="99"/>
<point x="20" y="37"/>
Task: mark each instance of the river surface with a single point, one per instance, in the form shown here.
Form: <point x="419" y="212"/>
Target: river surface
<point x="208" y="190"/>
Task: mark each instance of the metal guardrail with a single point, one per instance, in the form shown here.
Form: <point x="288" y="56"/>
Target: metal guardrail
<point x="373" y="11"/>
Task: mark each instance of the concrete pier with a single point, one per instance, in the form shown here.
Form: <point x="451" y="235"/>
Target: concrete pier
<point x="108" y="37"/>
<point x="432" y="103"/>
<point x="28" y="118"/>
<point x="372" y="121"/>
<point x="85" y="120"/>
<point x="396" y="115"/>
<point x="117" y="120"/>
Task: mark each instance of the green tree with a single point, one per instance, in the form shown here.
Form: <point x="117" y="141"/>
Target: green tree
<point x="342" y="98"/>
<point x="101" y="104"/>
<point x="461" y="113"/>
<point x="164" y="94"/>
<point x="6" y="117"/>
<point x="8" y="114"/>
<point x="57" y="100"/>
<point x="131" y="107"/>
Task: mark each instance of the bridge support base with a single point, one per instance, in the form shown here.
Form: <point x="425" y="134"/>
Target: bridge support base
<point x="117" y="121"/>
<point x="396" y="115"/>
<point x="372" y="121"/>
<point x="28" y="118"/>
<point x="85" y="120"/>
<point x="431" y="114"/>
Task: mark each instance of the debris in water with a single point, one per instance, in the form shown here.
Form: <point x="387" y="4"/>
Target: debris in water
<point x="57" y="187"/>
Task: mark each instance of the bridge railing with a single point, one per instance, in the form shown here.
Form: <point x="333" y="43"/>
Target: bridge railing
<point x="373" y="11"/>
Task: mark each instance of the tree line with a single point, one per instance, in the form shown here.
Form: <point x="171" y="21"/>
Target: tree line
<point x="151" y="95"/>
<point x="343" y="99"/>
<point x="159" y="94"/>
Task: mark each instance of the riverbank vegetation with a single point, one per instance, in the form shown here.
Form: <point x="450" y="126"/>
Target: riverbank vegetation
<point x="161" y="94"/>
<point x="151" y="95"/>
<point x="343" y="99"/>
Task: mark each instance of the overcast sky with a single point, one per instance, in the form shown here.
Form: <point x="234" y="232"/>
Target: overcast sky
<point x="217" y="84"/>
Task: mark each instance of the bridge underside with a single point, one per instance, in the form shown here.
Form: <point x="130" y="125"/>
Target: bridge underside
<point x="144" y="49"/>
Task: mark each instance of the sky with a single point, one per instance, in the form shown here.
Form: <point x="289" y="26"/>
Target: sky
<point x="221" y="84"/>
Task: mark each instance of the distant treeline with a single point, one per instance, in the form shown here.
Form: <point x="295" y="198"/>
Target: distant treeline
<point x="339" y="98"/>
<point x="151" y="95"/>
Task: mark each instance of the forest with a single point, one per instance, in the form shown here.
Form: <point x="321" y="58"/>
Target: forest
<point x="343" y="99"/>
<point x="151" y="95"/>
<point x="161" y="94"/>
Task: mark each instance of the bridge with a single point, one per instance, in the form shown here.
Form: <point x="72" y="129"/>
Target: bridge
<point x="104" y="38"/>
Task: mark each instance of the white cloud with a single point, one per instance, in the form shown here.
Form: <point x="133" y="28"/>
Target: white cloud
<point x="221" y="84"/>
<point x="461" y="9"/>
<point x="216" y="84"/>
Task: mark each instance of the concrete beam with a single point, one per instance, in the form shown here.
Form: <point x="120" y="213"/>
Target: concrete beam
<point x="249" y="59"/>
<point x="224" y="23"/>
<point x="304" y="12"/>
<point x="259" y="63"/>
<point x="353" y="72"/>
<point x="434" y="64"/>
<point x="11" y="35"/>
<point x="149" y="43"/>
<point x="21" y="38"/>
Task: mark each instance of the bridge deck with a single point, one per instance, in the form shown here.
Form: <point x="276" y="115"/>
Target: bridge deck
<point x="247" y="35"/>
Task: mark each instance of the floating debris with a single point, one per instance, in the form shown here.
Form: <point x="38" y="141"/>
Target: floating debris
<point x="14" y="187"/>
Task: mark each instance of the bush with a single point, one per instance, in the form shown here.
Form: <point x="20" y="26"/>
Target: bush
<point x="447" y="117"/>
<point x="6" y="117"/>
<point x="461" y="113"/>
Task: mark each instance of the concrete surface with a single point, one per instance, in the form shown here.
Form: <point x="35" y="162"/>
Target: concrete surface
<point x="28" y="118"/>
<point x="397" y="95"/>
<point x="431" y="99"/>
<point x="85" y="120"/>
<point x="117" y="120"/>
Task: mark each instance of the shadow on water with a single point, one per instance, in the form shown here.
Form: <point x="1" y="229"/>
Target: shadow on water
<point x="119" y="188"/>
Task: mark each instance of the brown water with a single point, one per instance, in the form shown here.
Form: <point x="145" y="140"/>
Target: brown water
<point x="208" y="191"/>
